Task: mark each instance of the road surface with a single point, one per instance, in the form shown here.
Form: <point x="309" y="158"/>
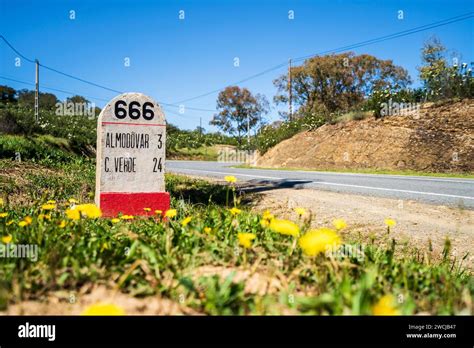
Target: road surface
<point x="433" y="190"/>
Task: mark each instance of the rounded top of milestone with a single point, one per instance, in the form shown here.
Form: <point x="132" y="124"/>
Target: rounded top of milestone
<point x="133" y="108"/>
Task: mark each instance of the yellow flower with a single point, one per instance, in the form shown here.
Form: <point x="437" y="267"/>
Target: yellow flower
<point x="1" y="202"/>
<point x="51" y="202"/>
<point x="62" y="224"/>
<point x="186" y="221"/>
<point x="2" y="215"/>
<point x="318" y="241"/>
<point x="158" y="212"/>
<point x="207" y="229"/>
<point x="300" y="211"/>
<point x="390" y="222"/>
<point x="339" y="224"/>
<point x="267" y="217"/>
<point x="235" y="211"/>
<point x="285" y="227"/>
<point x="49" y="206"/>
<point x="6" y="239"/>
<point x="103" y="309"/>
<point x="171" y="213"/>
<point x="385" y="306"/>
<point x="9" y="222"/>
<point x="147" y="209"/>
<point x="127" y="217"/>
<point x="230" y="178"/>
<point x="104" y="246"/>
<point x="245" y="239"/>
<point x="115" y="220"/>
<point x="42" y="217"/>
<point x="72" y="201"/>
<point x="90" y="210"/>
<point x="73" y="214"/>
<point x="26" y="221"/>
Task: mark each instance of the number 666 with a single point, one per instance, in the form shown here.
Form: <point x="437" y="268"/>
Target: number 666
<point x="134" y="111"/>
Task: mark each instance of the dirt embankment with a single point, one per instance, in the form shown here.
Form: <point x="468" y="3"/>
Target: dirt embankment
<point x="435" y="139"/>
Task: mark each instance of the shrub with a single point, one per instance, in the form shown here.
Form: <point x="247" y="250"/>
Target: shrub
<point x="378" y="98"/>
<point x="40" y="148"/>
<point x="193" y="139"/>
<point x="270" y="135"/>
<point x="80" y="131"/>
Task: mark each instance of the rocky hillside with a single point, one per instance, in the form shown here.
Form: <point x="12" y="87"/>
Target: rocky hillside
<point x="438" y="138"/>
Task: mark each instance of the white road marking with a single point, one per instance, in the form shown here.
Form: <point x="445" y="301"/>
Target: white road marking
<point x="379" y="176"/>
<point x="328" y="183"/>
<point x="390" y="176"/>
<point x="394" y="190"/>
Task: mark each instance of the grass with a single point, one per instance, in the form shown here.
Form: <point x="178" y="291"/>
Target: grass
<point x="353" y="116"/>
<point x="369" y="171"/>
<point x="203" y="153"/>
<point x="150" y="256"/>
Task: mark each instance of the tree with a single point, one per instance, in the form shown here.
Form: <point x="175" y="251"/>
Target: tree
<point x="7" y="94"/>
<point x="431" y="73"/>
<point x="97" y="111"/>
<point x="338" y="82"/>
<point x="47" y="100"/>
<point x="440" y="79"/>
<point x="238" y="110"/>
<point x="77" y="99"/>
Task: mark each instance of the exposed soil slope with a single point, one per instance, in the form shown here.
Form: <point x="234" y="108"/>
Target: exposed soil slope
<point x="437" y="139"/>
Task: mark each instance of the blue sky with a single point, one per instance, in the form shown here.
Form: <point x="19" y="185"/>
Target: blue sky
<point x="173" y="59"/>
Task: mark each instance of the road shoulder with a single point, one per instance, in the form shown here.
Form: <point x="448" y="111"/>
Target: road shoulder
<point x="420" y="225"/>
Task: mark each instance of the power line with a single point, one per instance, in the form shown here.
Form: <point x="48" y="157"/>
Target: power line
<point x="188" y="107"/>
<point x="86" y="96"/>
<point x="114" y="90"/>
<point x="235" y="83"/>
<point x="178" y="113"/>
<point x="343" y="48"/>
<point x="51" y="88"/>
<point x="90" y="82"/>
<point x="16" y="51"/>
<point x="55" y="70"/>
<point x="80" y="79"/>
<point x="393" y="36"/>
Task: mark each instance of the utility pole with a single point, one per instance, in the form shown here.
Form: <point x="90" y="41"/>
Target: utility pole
<point x="248" y="130"/>
<point x="37" y="92"/>
<point x="290" y="96"/>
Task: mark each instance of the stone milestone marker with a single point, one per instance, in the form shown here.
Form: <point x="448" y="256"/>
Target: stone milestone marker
<point x="131" y="141"/>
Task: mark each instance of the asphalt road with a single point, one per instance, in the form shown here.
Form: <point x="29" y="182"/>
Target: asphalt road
<point x="433" y="190"/>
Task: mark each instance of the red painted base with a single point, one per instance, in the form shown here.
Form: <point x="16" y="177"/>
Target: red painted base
<point x="113" y="203"/>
